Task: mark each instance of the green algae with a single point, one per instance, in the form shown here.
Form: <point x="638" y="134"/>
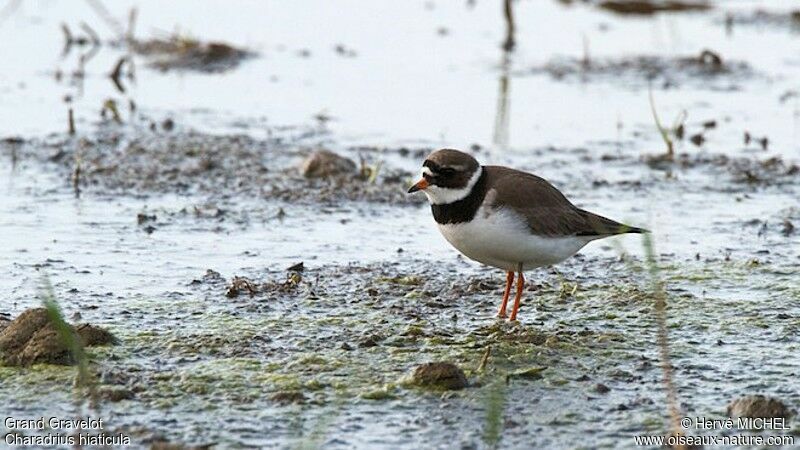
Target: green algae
<point x="385" y="392"/>
<point x="224" y="357"/>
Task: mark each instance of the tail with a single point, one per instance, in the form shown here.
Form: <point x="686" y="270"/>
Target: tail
<point x="600" y="226"/>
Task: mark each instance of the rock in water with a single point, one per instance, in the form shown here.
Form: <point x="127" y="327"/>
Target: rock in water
<point x="440" y="375"/>
<point x="325" y="164"/>
<point x="758" y="406"/>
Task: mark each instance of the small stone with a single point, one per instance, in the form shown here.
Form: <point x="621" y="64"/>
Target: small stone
<point x="601" y="388"/>
<point x="370" y="341"/>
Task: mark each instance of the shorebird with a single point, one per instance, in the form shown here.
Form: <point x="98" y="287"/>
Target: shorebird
<point x="505" y="218"/>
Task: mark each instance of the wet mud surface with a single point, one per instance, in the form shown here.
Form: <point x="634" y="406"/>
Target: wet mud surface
<point x="264" y="293"/>
<point x="327" y="352"/>
<point x="332" y="348"/>
<point x="143" y="162"/>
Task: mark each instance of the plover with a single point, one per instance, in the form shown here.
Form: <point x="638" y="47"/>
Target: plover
<point x="506" y="218"/>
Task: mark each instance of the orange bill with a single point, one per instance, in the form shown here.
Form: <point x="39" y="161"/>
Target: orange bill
<point x="421" y="184"/>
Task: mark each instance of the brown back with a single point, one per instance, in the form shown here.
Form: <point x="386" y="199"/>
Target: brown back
<point x="547" y="211"/>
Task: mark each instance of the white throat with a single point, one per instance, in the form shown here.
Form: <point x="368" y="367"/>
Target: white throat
<point x="438" y="195"/>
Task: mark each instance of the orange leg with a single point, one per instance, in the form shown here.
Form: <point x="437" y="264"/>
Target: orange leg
<point x="509" y="283"/>
<point x="520" y="285"/>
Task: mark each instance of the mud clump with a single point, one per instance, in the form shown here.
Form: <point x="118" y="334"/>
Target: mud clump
<point x="437" y="375"/>
<point x="92" y="335"/>
<point x="326" y="164"/>
<point x="181" y="53"/>
<point x="287" y="397"/>
<point x="32" y="339"/>
<point x="4" y="322"/>
<point x="758" y="406"/>
<point x="649" y="7"/>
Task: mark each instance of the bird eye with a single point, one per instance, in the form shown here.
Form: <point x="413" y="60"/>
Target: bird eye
<point x="446" y="171"/>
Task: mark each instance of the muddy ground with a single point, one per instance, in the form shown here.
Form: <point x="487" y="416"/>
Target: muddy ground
<point x="182" y="231"/>
<point x="318" y="356"/>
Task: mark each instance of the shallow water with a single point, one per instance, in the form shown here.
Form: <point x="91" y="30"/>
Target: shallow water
<point x="207" y="366"/>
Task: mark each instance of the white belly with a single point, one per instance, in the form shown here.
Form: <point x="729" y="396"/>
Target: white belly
<point x="502" y="239"/>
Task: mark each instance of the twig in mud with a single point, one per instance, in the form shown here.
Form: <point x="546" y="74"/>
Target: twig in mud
<point x="502" y="115"/>
<point x="117" y="72"/>
<point x="665" y="133"/>
<point x="94" y="38"/>
<point x="68" y="40"/>
<point x="76" y="170"/>
<point x="71" y="122"/>
<point x="661" y="129"/>
<point x="485" y="359"/>
<point x="508" y="13"/>
<point x="662" y="334"/>
<point x="660" y="310"/>
<point x="369" y="172"/>
<point x="110" y="105"/>
<point x="586" y="61"/>
<point x="132" y="15"/>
